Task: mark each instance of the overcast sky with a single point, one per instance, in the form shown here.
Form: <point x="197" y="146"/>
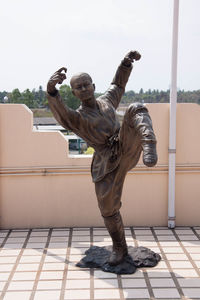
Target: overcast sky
<point x="40" y="36"/>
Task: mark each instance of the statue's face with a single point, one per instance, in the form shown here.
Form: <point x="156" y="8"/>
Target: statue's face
<point x="82" y="87"/>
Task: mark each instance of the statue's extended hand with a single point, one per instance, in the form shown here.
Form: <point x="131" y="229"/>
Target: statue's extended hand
<point x="130" y="57"/>
<point x="57" y="77"/>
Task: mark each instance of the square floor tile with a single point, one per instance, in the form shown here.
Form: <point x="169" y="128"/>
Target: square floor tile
<point x="195" y="256"/>
<point x="35" y="245"/>
<point x="31" y="259"/>
<point x="18" y="234"/>
<point x="147" y="244"/>
<point x="78" y="250"/>
<point x="197" y="263"/>
<point x="145" y="238"/>
<point x="161" y="265"/>
<point x="192" y="293"/>
<point x="77" y="284"/>
<point x="80" y="244"/>
<point x="193" y="249"/>
<point x="13" y="246"/>
<point x="143" y="232"/>
<point x="166" y="238"/>
<point x="53" y="266"/>
<point x="48" y="295"/>
<point x="176" y="256"/>
<point x="158" y="273"/>
<point x="24" y="276"/>
<point x="55" y="258"/>
<point x="105" y="283"/>
<point x="4" y="276"/>
<point x="77" y="294"/>
<point x="184" y="231"/>
<point x="162" y="282"/>
<point x="37" y="239"/>
<point x="81" y="232"/>
<point x="9" y="252"/>
<point x="33" y="252"/>
<point x="59" y="239"/>
<point x="60" y="233"/>
<point x="6" y="267"/>
<point x="101" y="274"/>
<point x="21" y="285"/>
<point x="2" y="284"/>
<point x="181" y="264"/>
<point x="78" y="274"/>
<point x="15" y="240"/>
<point x="72" y="267"/>
<point x="191" y="244"/>
<point x="189" y="282"/>
<point x="76" y="258"/>
<point x="170" y="293"/>
<point x="51" y="275"/>
<point x="136" y="293"/>
<point x="27" y="267"/>
<point x="57" y="251"/>
<point x="57" y="245"/>
<point x="7" y="260"/>
<point x="138" y="274"/>
<point x="100" y="238"/>
<point x="188" y="238"/>
<point x="163" y="232"/>
<point x="100" y="232"/>
<point x="132" y="283"/>
<point x="172" y="250"/>
<point x="170" y="244"/>
<point x="39" y="233"/>
<point x="185" y="273"/>
<point x="106" y="294"/>
<point x="17" y="296"/>
<point x="3" y="234"/>
<point x="49" y="285"/>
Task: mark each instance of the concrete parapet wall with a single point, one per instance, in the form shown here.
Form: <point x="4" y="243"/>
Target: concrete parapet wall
<point x="42" y="186"/>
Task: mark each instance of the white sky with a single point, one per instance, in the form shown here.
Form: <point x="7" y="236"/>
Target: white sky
<point x="40" y="36"/>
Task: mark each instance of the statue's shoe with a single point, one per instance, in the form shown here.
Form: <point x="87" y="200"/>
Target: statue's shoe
<point x="150" y="157"/>
<point x="117" y="256"/>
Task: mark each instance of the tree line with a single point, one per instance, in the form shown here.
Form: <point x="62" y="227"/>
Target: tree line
<point x="38" y="99"/>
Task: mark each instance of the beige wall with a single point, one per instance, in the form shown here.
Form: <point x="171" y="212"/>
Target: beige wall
<point x="40" y="185"/>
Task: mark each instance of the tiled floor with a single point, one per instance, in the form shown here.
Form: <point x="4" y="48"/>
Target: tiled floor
<point x="40" y="264"/>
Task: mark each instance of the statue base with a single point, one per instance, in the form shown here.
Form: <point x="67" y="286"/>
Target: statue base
<point x="138" y="257"/>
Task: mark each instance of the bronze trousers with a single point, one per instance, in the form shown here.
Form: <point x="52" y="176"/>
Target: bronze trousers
<point x="136" y="129"/>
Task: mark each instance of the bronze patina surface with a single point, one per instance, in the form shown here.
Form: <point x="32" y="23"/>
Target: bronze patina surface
<point x="117" y="148"/>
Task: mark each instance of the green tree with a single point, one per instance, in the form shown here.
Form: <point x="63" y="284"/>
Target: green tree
<point x="15" y="96"/>
<point x="67" y="96"/>
<point x="28" y="99"/>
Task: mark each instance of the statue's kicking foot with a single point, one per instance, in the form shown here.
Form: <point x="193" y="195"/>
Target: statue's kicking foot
<point x="149" y="154"/>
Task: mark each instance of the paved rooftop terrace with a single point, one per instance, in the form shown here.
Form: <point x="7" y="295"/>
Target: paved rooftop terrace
<point x="40" y="264"/>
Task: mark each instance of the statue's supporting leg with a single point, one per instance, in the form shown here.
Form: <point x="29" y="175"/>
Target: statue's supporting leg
<point x="115" y="228"/>
<point x="138" y="118"/>
<point x="108" y="192"/>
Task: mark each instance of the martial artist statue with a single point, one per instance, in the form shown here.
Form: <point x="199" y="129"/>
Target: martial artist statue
<point x="117" y="149"/>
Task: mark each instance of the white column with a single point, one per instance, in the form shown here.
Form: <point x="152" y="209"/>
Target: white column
<point x="172" y="125"/>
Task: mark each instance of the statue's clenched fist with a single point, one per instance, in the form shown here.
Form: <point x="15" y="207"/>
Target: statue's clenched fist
<point x="130" y="57"/>
<point x="57" y="77"/>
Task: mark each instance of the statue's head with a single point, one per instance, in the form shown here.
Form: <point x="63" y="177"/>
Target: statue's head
<point x="82" y="86"/>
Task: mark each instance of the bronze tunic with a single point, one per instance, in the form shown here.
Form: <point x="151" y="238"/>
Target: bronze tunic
<point x="99" y="128"/>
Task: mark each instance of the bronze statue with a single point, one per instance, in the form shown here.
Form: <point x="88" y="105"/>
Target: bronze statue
<point x="117" y="149"/>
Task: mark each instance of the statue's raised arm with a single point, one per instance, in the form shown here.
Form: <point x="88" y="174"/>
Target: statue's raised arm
<point x="117" y="88"/>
